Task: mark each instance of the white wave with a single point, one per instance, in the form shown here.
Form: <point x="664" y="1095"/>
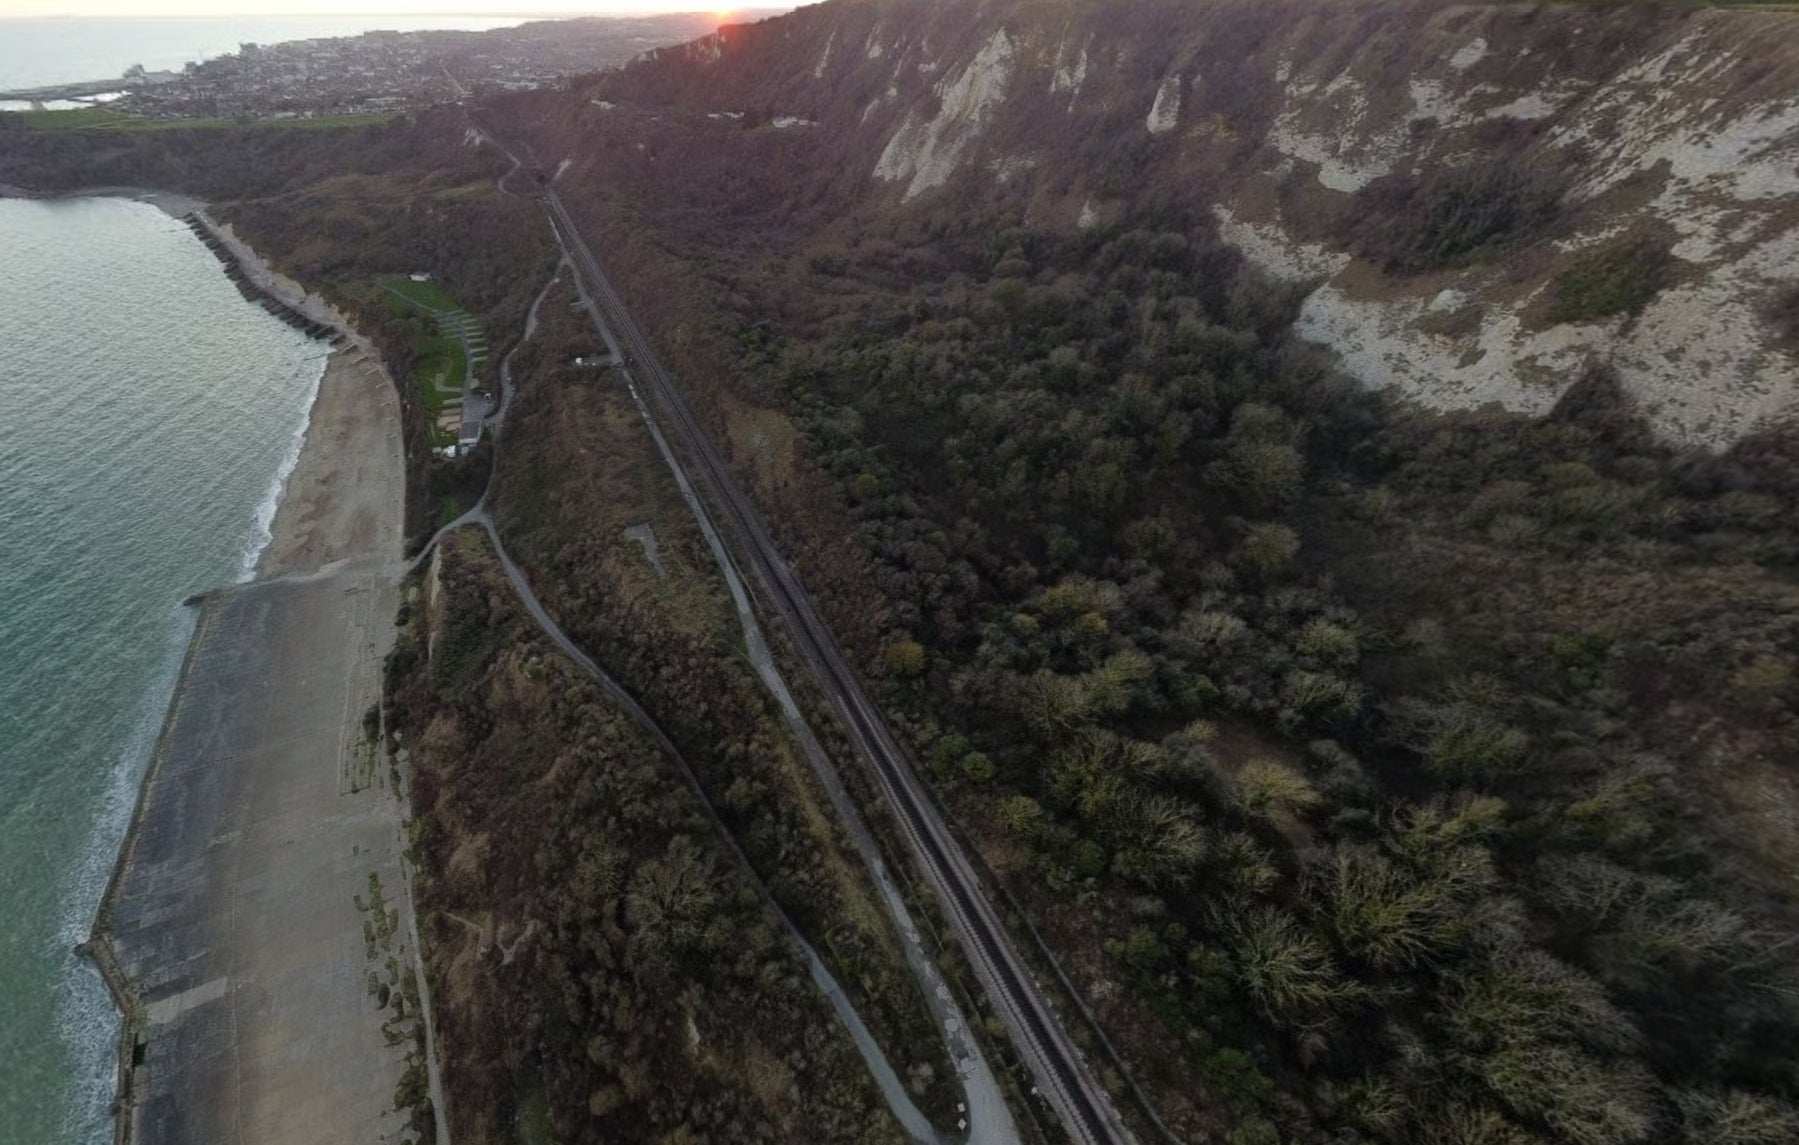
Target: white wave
<point x="86" y="1019"/>
<point x="262" y="532"/>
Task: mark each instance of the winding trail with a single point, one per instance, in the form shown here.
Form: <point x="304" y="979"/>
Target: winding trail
<point x="912" y="1120"/>
<point x="1062" y="1073"/>
<point x="1061" y="1070"/>
<point x="988" y="1120"/>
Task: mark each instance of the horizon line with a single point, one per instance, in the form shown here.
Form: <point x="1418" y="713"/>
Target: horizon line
<point x="556" y="14"/>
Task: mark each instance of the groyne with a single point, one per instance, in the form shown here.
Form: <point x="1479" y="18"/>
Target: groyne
<point x="253" y="290"/>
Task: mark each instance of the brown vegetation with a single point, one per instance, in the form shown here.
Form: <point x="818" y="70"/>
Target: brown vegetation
<point x="1379" y="777"/>
<point x="1363" y="767"/>
<point x="602" y="971"/>
<point x="578" y="483"/>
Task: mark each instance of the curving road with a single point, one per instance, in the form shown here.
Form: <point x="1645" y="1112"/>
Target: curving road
<point x="916" y="1125"/>
<point x="1062" y="1073"/>
<point x="988" y="1119"/>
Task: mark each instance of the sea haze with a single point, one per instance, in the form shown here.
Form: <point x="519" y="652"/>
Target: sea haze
<point x="42" y="52"/>
<point x="147" y="416"/>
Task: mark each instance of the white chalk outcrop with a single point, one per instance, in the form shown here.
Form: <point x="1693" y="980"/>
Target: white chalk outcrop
<point x="1720" y="175"/>
<point x="1165" y="113"/>
<point x="925" y="153"/>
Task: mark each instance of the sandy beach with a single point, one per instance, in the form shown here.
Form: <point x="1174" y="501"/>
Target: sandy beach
<point x="233" y="931"/>
<point x="340" y="501"/>
<point x="345" y="497"/>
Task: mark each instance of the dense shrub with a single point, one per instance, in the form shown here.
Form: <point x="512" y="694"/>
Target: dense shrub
<point x="1453" y="215"/>
<point x="1617" y="278"/>
<point x="1475" y="906"/>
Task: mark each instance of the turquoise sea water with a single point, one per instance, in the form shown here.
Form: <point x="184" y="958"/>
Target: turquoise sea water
<point x="147" y="416"/>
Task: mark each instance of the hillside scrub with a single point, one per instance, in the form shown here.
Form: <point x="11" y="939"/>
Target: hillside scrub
<point x="578" y="481"/>
<point x="1618" y="278"/>
<point x="1451" y="216"/>
<point x="1342" y="737"/>
<point x="336" y="210"/>
<point x="345" y="235"/>
<point x="602" y="970"/>
<point x="1379" y="777"/>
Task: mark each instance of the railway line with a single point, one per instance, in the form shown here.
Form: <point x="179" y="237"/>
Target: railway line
<point x="1061" y="1071"/>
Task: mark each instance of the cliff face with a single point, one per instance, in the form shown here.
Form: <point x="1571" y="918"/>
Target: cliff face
<point x="1486" y="198"/>
<point x="1205" y="650"/>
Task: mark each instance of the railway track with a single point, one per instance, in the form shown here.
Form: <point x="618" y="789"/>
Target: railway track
<point x="1061" y="1072"/>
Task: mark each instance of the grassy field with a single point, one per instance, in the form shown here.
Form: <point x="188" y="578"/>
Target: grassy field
<point x="441" y="365"/>
<point x="427" y="294"/>
<point x="441" y="359"/>
<point x="105" y="119"/>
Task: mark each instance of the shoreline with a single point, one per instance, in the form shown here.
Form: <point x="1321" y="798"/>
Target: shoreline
<point x="98" y="948"/>
<point x="171" y="203"/>
<point x="263" y="530"/>
<point x="231" y="249"/>
<point x="331" y="510"/>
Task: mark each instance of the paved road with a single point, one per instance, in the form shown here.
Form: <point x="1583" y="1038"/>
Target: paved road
<point x="917" y="1126"/>
<point x="1061" y="1071"/>
<point x="987" y="1117"/>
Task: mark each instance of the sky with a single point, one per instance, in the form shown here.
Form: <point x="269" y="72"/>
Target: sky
<point x="521" y="8"/>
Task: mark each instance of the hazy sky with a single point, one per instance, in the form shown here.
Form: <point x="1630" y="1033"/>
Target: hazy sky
<point x="348" y="7"/>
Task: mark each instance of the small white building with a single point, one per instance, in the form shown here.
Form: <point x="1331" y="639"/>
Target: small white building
<point x="420" y="276"/>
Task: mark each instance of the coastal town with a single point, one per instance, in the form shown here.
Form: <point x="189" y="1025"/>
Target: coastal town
<point x="374" y="73"/>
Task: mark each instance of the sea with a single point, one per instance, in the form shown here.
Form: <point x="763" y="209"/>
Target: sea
<point x="45" y="52"/>
<point x="149" y="416"/>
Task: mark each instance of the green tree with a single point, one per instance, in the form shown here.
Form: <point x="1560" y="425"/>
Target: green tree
<point x="1265" y="787"/>
<point x="1287" y="970"/>
<point x="1266" y="550"/>
<point x="1736" y="1118"/>
<point x="905" y="658"/>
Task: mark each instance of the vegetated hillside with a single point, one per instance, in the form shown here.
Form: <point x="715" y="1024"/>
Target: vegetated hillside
<point x="1491" y="196"/>
<point x="602" y="971"/>
<point x="1379" y="774"/>
<point x="337" y="209"/>
<point x="574" y="953"/>
<point x="597" y="522"/>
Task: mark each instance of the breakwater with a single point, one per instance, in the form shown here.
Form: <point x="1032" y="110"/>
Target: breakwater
<point x="232" y="932"/>
<point x="253" y="290"/>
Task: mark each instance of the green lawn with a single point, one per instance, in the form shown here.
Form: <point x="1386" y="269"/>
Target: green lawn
<point x="440" y="365"/>
<point x="440" y="358"/>
<point x="479" y="189"/>
<point x="105" y="119"/>
<point x="427" y="294"/>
